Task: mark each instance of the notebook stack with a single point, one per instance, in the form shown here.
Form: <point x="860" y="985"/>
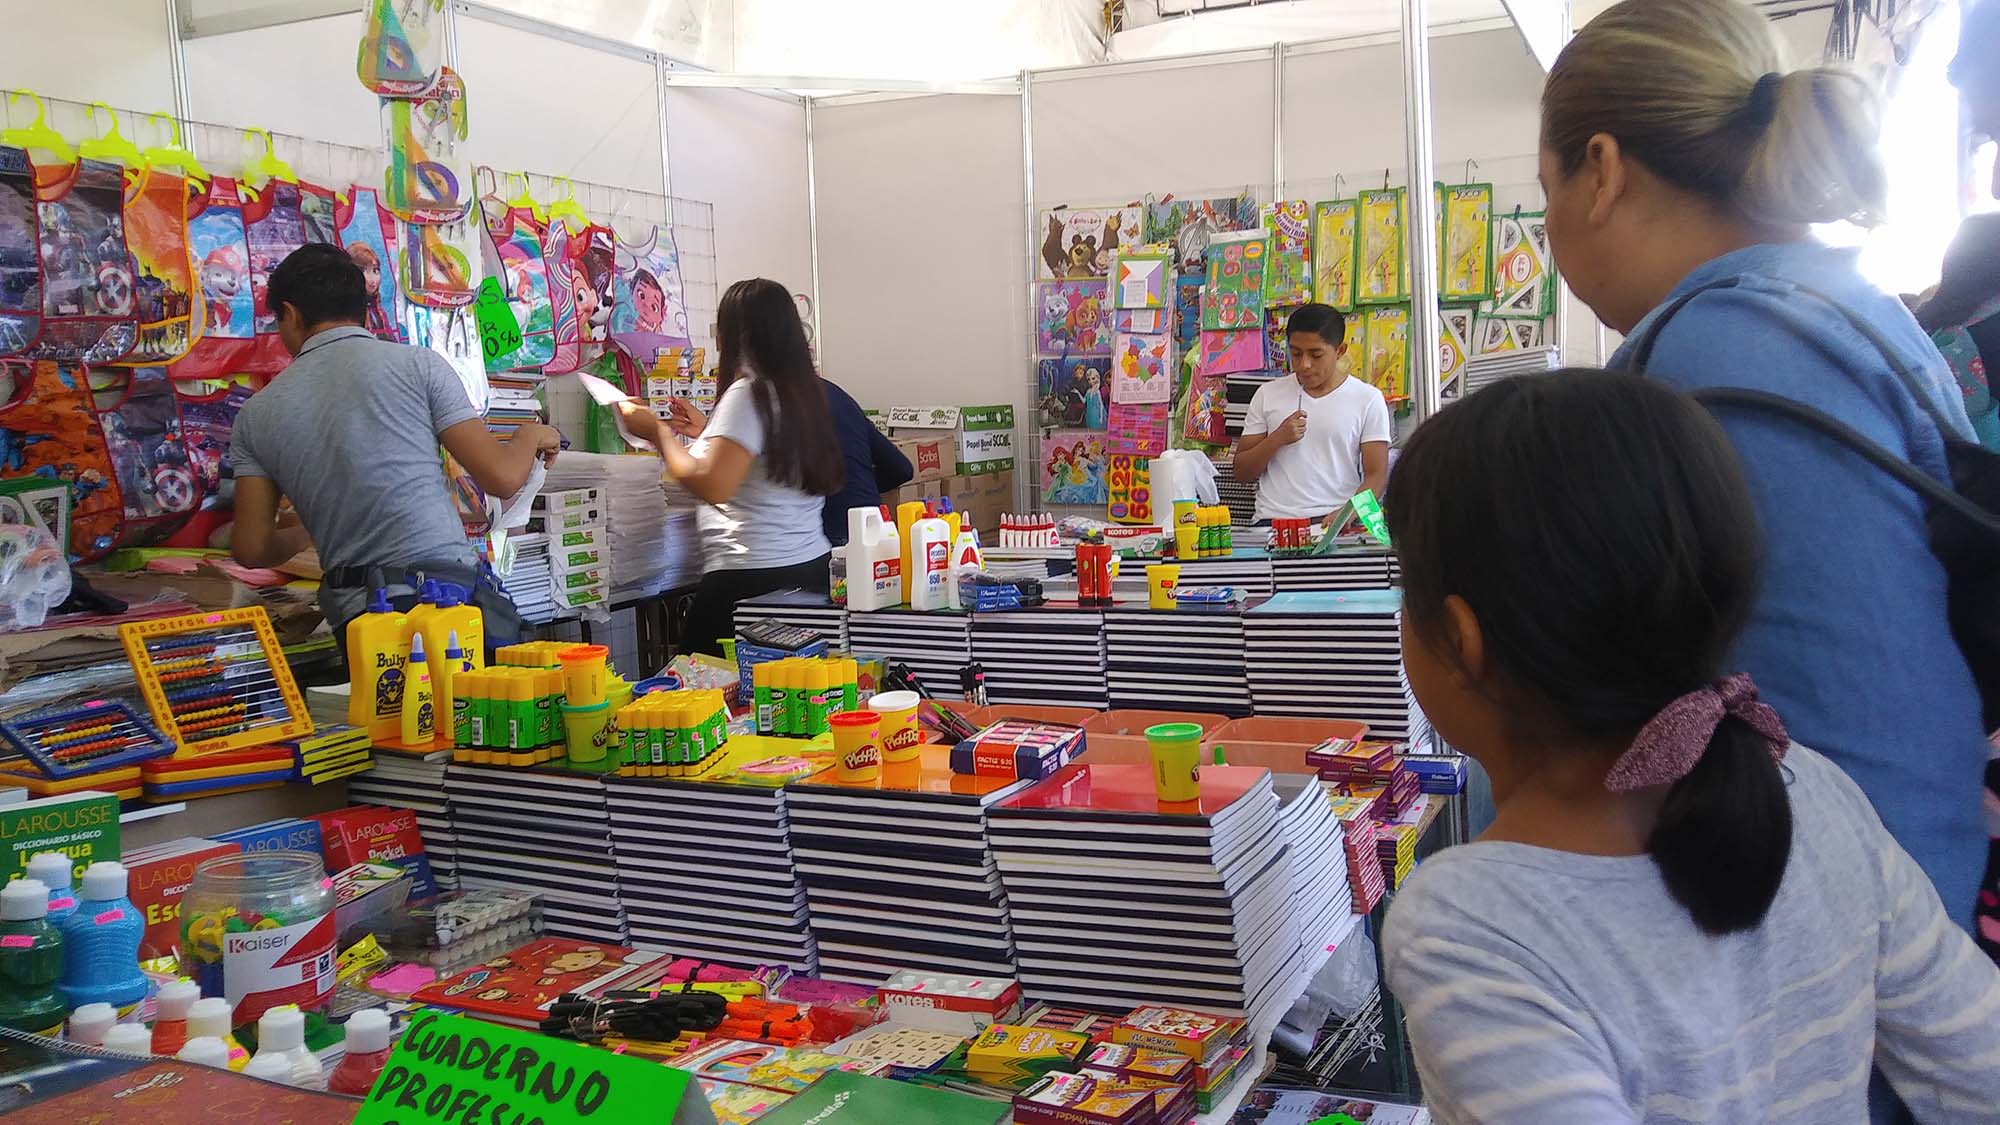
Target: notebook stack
<point x="901" y="876"/>
<point x="1483" y="371"/>
<point x="804" y="609"/>
<point x="526" y="583"/>
<point x="1322" y="903"/>
<point x="511" y="399"/>
<point x="634" y="545"/>
<point x="936" y="646"/>
<point x="1051" y="654"/>
<point x="1396" y="847"/>
<point x="1240" y="497"/>
<point x="400" y="780"/>
<point x="1358" y="844"/>
<point x="1250" y="573"/>
<point x="1346" y="568"/>
<point x="1332" y="655"/>
<point x="544" y="832"/>
<point x="1243" y="387"/>
<point x="1176" y="659"/>
<point x="1120" y="899"/>
<point x="578" y="540"/>
<point x="705" y="870"/>
<point x="332" y="751"/>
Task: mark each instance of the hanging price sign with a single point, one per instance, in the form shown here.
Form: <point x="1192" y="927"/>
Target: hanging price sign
<point x="499" y="329"/>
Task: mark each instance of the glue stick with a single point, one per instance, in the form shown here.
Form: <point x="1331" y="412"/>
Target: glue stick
<point x="782" y="684"/>
<point x="523" y="722"/>
<point x="850" y="684"/>
<point x="815" y="703"/>
<point x="760" y="686"/>
<point x="548" y="716"/>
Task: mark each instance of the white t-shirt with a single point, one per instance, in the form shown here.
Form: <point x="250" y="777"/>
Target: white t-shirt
<point x="1321" y="471"/>
<point x="766" y="524"/>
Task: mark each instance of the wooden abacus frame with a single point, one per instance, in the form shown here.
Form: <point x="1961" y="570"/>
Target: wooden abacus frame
<point x="189" y="744"/>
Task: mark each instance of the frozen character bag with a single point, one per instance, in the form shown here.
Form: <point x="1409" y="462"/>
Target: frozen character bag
<point x="88" y="311"/>
<point x="48" y="432"/>
<point x="156" y="228"/>
<point x="651" y="312"/>
<point x="140" y="420"/>
<point x="368" y="233"/>
<point x="227" y="339"/>
<point x="20" y="255"/>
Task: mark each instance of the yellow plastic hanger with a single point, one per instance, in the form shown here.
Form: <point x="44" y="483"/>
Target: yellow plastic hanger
<point x="37" y="134"/>
<point x="173" y="154"/>
<point x="112" y="145"/>
<point x="566" y="209"/>
<point x="524" y="198"/>
<point x="266" y="166"/>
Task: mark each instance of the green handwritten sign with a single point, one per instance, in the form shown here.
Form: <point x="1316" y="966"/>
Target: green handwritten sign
<point x="499" y="328"/>
<point x="450" y="1070"/>
<point x="1369" y="511"/>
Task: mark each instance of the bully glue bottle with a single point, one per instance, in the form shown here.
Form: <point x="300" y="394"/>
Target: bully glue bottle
<point x="101" y="941"/>
<point x="375" y="668"/>
<point x="419" y="717"/>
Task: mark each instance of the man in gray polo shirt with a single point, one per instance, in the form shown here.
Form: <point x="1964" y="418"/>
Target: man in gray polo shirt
<point x="349" y="433"/>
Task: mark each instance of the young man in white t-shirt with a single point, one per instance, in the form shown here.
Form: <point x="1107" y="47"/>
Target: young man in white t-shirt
<point x="1318" y="436"/>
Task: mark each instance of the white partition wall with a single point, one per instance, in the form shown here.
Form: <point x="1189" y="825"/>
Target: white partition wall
<point x="286" y="78"/>
<point x="921" y="249"/>
<point x="745" y="152"/>
<point x="114" y="51"/>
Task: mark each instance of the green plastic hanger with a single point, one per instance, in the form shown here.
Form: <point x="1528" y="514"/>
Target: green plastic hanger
<point x="265" y="167"/>
<point x="112" y="145"/>
<point x="173" y="154"/>
<point x="37" y="134"/>
<point x="567" y="209"/>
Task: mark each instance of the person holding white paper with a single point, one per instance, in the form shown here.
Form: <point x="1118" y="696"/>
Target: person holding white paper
<point x="1314" y="438"/>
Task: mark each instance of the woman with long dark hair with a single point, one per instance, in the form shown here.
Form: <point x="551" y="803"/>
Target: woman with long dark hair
<point x="763" y="464"/>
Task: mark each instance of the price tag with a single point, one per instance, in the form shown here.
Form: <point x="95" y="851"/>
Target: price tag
<point x="499" y="328"/>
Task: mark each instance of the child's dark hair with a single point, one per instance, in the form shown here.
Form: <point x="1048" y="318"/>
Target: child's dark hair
<point x="1323" y="321"/>
<point x="1599" y="528"/>
<point x="320" y="281"/>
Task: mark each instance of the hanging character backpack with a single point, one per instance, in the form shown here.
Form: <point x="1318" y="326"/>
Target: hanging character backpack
<point x="88" y="312"/>
<point x="49" y="433"/>
<point x="368" y="233"/>
<point x="564" y="217"/>
<point x="140" y="420"/>
<point x="221" y="252"/>
<point x="593" y="271"/>
<point x="274" y="226"/>
<point x="207" y="416"/>
<point x="156" y="229"/>
<point x="514" y="256"/>
<point x="651" y="313"/>
<point x="318" y="206"/>
<point x="20" y="255"/>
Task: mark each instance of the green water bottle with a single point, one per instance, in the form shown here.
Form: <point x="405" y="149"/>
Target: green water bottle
<point x="31" y="958"/>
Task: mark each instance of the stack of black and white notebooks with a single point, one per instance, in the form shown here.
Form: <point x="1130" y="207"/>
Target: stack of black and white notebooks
<point x="805" y="609"/>
<point x="1248" y="573"/>
<point x="1482" y="371"/>
<point x="526" y="582"/>
<point x="1330" y="654"/>
<point x="543" y="831"/>
<point x="935" y="645"/>
<point x="1322" y="905"/>
<point x="1121" y="900"/>
<point x="1050" y="654"/>
<point x="705" y="870"/>
<point x="1188" y="659"/>
<point x="1346" y="568"/>
<point x="901" y="876"/>
<point x="409" y="781"/>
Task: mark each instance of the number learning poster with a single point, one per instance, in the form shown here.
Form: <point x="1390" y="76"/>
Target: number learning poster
<point x="1288" y="280"/>
<point x="1333" y="253"/>
<point x="1128" y="489"/>
<point x="1073" y="467"/>
<point x="1072" y="317"/>
<point x="1381" y="277"/>
<point x="1140" y="430"/>
<point x="1235" y="294"/>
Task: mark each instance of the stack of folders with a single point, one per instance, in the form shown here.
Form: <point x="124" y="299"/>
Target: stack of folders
<point x="1330" y="654"/>
<point x="400" y="780"/>
<point x="576" y="524"/>
<point x="526" y="582"/>
<point x="637" y="547"/>
<point x="1051" y="654"/>
<point x="335" y="750"/>
<point x="937" y="646"/>
<point x="540" y="831"/>
<point x="705" y="870"/>
<point x="1121" y="900"/>
<point x="1483" y="371"/>
<point x="1188" y="659"/>
<point x="802" y="609"/>
<point x="1358" y="843"/>
<point x="1322" y="904"/>
<point x="1346" y="568"/>
<point x="1442" y="774"/>
<point x="901" y="876"/>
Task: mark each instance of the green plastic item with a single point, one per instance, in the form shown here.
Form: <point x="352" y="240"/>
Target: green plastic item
<point x="1369" y="511"/>
<point x="499" y="328"/>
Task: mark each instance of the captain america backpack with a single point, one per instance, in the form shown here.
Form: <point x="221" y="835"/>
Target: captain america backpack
<point x="89" y="314"/>
<point x="20" y="258"/>
<point x="140" y="420"/>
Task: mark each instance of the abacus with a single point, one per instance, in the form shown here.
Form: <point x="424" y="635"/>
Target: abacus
<point x="216" y="681"/>
<point x="100" y="735"/>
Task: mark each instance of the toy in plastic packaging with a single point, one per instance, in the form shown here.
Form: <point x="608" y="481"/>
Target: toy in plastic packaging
<point x="401" y="47"/>
<point x="651" y="305"/>
<point x="424" y="131"/>
<point x="48" y="432"/>
<point x="20" y="257"/>
<point x="142" y="434"/>
<point x="34" y="576"/>
<point x="88" y="311"/>
<point x="367" y="231"/>
<point x="156" y="229"/>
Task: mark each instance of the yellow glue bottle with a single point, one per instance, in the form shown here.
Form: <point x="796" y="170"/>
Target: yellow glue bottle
<point x="419" y="718"/>
<point x="454" y="616"/>
<point x="421" y="613"/>
<point x="375" y="658"/>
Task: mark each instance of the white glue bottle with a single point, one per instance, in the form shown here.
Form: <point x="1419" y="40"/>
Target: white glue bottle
<point x="965" y="562"/>
<point x="930" y="562"/>
<point x="281" y="1033"/>
<point x="874" y="561"/>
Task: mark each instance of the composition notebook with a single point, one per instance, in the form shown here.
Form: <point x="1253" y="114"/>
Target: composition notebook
<point x="67" y="1082"/>
<point x="844" y="1098"/>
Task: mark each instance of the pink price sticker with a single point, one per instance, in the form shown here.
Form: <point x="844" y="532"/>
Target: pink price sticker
<point x="326" y="884"/>
<point x="115" y="914"/>
<point x="17" y="941"/>
<point x="64" y="903"/>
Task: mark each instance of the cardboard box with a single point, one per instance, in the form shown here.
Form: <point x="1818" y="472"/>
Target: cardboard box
<point x="914" y="492"/>
<point x="978" y="439"/>
<point x="982" y="500"/>
<point x="929" y="456"/>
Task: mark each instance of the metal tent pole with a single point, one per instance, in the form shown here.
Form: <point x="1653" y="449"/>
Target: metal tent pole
<point x="1425" y="329"/>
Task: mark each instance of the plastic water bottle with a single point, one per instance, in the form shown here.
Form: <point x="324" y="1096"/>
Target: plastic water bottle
<point x="367" y="1053"/>
<point x="101" y="955"/>
<point x="31" y="955"/>
<point x="55" y="871"/>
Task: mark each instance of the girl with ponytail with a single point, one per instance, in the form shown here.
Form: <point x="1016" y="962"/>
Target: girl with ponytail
<point x="1677" y="914"/>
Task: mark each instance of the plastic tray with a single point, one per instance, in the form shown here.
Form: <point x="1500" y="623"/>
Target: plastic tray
<point x="1277" y="743"/>
<point x="1120" y="736"/>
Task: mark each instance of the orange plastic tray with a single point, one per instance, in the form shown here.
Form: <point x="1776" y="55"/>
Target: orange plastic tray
<point x="1277" y="743"/>
<point x="1120" y="736"/>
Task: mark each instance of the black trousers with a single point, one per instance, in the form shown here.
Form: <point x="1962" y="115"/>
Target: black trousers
<point x="713" y="614"/>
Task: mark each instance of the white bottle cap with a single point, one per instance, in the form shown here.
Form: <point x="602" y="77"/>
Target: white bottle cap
<point x="209" y="1016"/>
<point x="283" y="1028"/>
<point x="90" y="1023"/>
<point x="129" y="1039"/>
<point x="273" y="1068"/>
<point x="205" y="1050"/>
<point x="54" y="869"/>
<point x="175" y="998"/>
<point x="24" y="899"/>
<point x="104" y="879"/>
<point x="368" y="1031"/>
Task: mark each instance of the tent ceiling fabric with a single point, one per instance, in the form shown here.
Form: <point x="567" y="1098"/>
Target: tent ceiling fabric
<point x="1154" y="30"/>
